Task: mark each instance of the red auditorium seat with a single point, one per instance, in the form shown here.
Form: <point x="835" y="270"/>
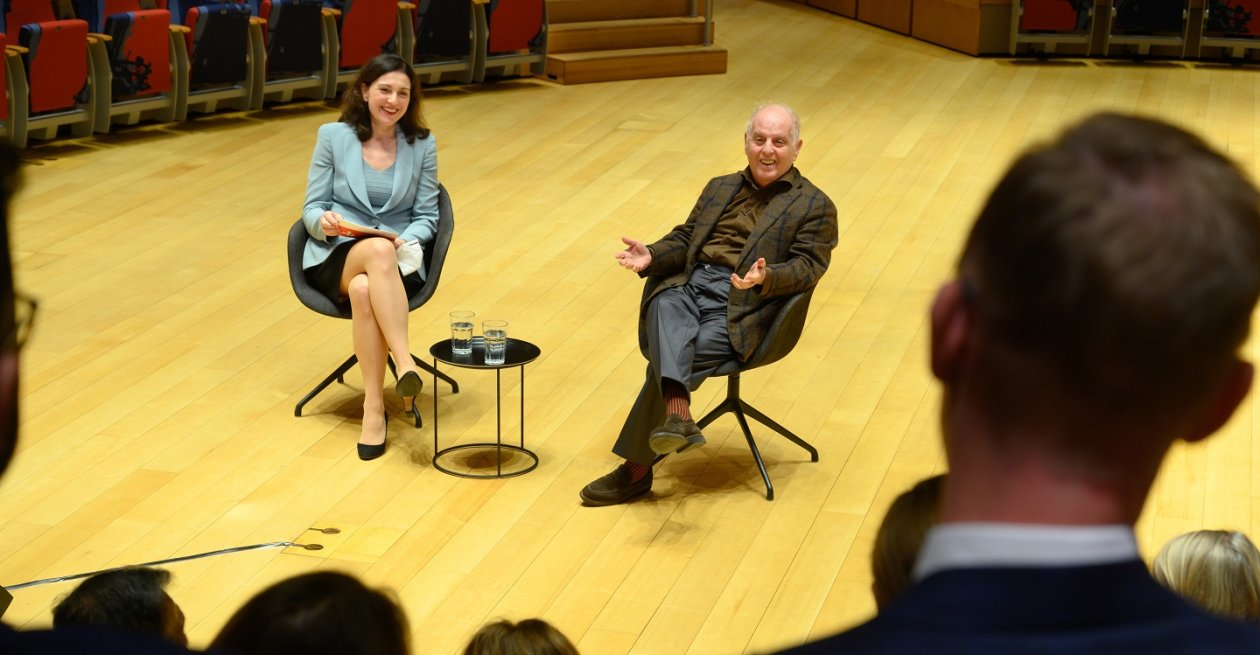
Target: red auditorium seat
<point x="517" y="36"/>
<point x="56" y="67"/>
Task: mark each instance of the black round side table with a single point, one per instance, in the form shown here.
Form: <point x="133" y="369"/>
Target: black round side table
<point x="518" y="354"/>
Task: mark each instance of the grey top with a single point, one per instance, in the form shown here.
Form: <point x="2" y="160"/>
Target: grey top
<point x="380" y="184"/>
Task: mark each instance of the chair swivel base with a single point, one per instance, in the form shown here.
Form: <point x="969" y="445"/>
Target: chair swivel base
<point x="732" y="404"/>
<point x="338" y="375"/>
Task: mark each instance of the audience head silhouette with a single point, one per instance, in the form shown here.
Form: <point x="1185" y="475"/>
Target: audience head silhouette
<point x="528" y="637"/>
<point x="131" y="600"/>
<point x="316" y="613"/>
<point x="1218" y="570"/>
<point x="1101" y="300"/>
<point x="900" y="536"/>
<point x="1099" y="308"/>
<point x="13" y="328"/>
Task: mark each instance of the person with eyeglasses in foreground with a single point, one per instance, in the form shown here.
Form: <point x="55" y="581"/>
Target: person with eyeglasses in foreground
<point x="1095" y="318"/>
<point x="17" y="317"/>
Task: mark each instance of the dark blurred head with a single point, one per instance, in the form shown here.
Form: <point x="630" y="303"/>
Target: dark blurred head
<point x="9" y="181"/>
<point x="130" y="600"/>
<point x="1111" y="275"/>
<point x="900" y="538"/>
<point x="529" y="637"/>
<point x="322" y="613"/>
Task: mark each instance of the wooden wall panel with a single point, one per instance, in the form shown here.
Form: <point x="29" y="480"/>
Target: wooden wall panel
<point x="842" y="7"/>
<point x="889" y="14"/>
<point x="952" y="23"/>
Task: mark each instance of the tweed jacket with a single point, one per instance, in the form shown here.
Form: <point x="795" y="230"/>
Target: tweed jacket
<point x="336" y="182"/>
<point x="795" y="234"/>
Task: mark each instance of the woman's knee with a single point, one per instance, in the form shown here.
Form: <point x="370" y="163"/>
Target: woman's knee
<point x="357" y="291"/>
<point x="379" y="251"/>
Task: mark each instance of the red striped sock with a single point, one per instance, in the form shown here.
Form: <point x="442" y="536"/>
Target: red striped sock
<point x="637" y="471"/>
<point x="676" y="400"/>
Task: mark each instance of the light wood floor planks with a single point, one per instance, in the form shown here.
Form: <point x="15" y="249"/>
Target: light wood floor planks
<point x="169" y="351"/>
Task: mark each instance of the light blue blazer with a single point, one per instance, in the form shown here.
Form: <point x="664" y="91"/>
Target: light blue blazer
<point x="336" y="183"/>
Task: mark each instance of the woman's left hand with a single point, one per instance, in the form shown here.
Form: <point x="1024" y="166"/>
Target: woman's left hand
<point x="398" y="243"/>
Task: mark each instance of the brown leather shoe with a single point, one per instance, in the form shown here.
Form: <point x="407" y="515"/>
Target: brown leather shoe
<point x="615" y="488"/>
<point x="676" y="435"/>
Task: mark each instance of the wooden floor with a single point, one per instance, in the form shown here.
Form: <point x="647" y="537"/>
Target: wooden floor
<point x="158" y="390"/>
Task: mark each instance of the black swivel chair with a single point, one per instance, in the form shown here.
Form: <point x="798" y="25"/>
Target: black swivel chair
<point x="434" y="258"/>
<point x="782" y="336"/>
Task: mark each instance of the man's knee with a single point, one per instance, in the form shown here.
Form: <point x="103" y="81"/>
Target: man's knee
<point x="671" y="308"/>
<point x="674" y="297"/>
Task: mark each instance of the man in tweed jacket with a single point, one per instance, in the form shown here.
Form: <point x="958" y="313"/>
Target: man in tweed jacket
<point x="698" y="311"/>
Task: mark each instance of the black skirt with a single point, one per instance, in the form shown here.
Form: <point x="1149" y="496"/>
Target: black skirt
<point x="326" y="276"/>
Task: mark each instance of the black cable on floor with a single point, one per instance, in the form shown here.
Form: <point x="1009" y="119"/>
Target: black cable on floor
<point x="221" y="551"/>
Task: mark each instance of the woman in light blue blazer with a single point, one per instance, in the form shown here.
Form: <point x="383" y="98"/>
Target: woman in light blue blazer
<point x="376" y="167"/>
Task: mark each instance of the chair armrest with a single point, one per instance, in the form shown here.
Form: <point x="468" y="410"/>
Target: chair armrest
<point x="780" y="338"/>
<point x="783" y="333"/>
<point x="436" y="250"/>
<point x="305" y="293"/>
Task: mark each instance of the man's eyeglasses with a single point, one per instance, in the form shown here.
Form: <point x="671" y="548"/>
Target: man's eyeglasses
<point x="23" y="319"/>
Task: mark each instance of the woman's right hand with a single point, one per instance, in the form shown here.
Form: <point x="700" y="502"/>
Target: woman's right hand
<point x="331" y="222"/>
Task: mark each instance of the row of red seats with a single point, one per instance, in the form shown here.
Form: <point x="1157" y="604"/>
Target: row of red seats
<point x="89" y="64"/>
<point x="1233" y="25"/>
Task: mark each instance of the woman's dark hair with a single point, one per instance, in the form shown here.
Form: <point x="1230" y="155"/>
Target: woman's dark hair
<point x="354" y="109"/>
<point x="313" y="614"/>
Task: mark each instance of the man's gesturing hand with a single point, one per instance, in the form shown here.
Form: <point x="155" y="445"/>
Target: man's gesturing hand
<point x="635" y="257"/>
<point x="756" y="275"/>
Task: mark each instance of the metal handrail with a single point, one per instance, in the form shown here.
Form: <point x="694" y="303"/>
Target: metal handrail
<point x="708" y="22"/>
<point x="708" y="19"/>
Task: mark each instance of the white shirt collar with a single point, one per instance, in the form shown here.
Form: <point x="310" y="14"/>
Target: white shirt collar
<point x="996" y="545"/>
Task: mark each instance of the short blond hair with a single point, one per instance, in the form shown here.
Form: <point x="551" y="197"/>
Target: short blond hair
<point x="1218" y="570"/>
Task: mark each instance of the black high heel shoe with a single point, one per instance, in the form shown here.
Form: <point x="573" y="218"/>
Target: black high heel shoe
<point x="408" y="387"/>
<point x="369" y="452"/>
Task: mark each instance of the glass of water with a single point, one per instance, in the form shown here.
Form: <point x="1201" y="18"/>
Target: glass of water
<point x="461" y="332"/>
<point x="495" y="333"/>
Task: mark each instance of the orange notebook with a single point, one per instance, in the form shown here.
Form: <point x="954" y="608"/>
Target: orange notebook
<point x="355" y="231"/>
